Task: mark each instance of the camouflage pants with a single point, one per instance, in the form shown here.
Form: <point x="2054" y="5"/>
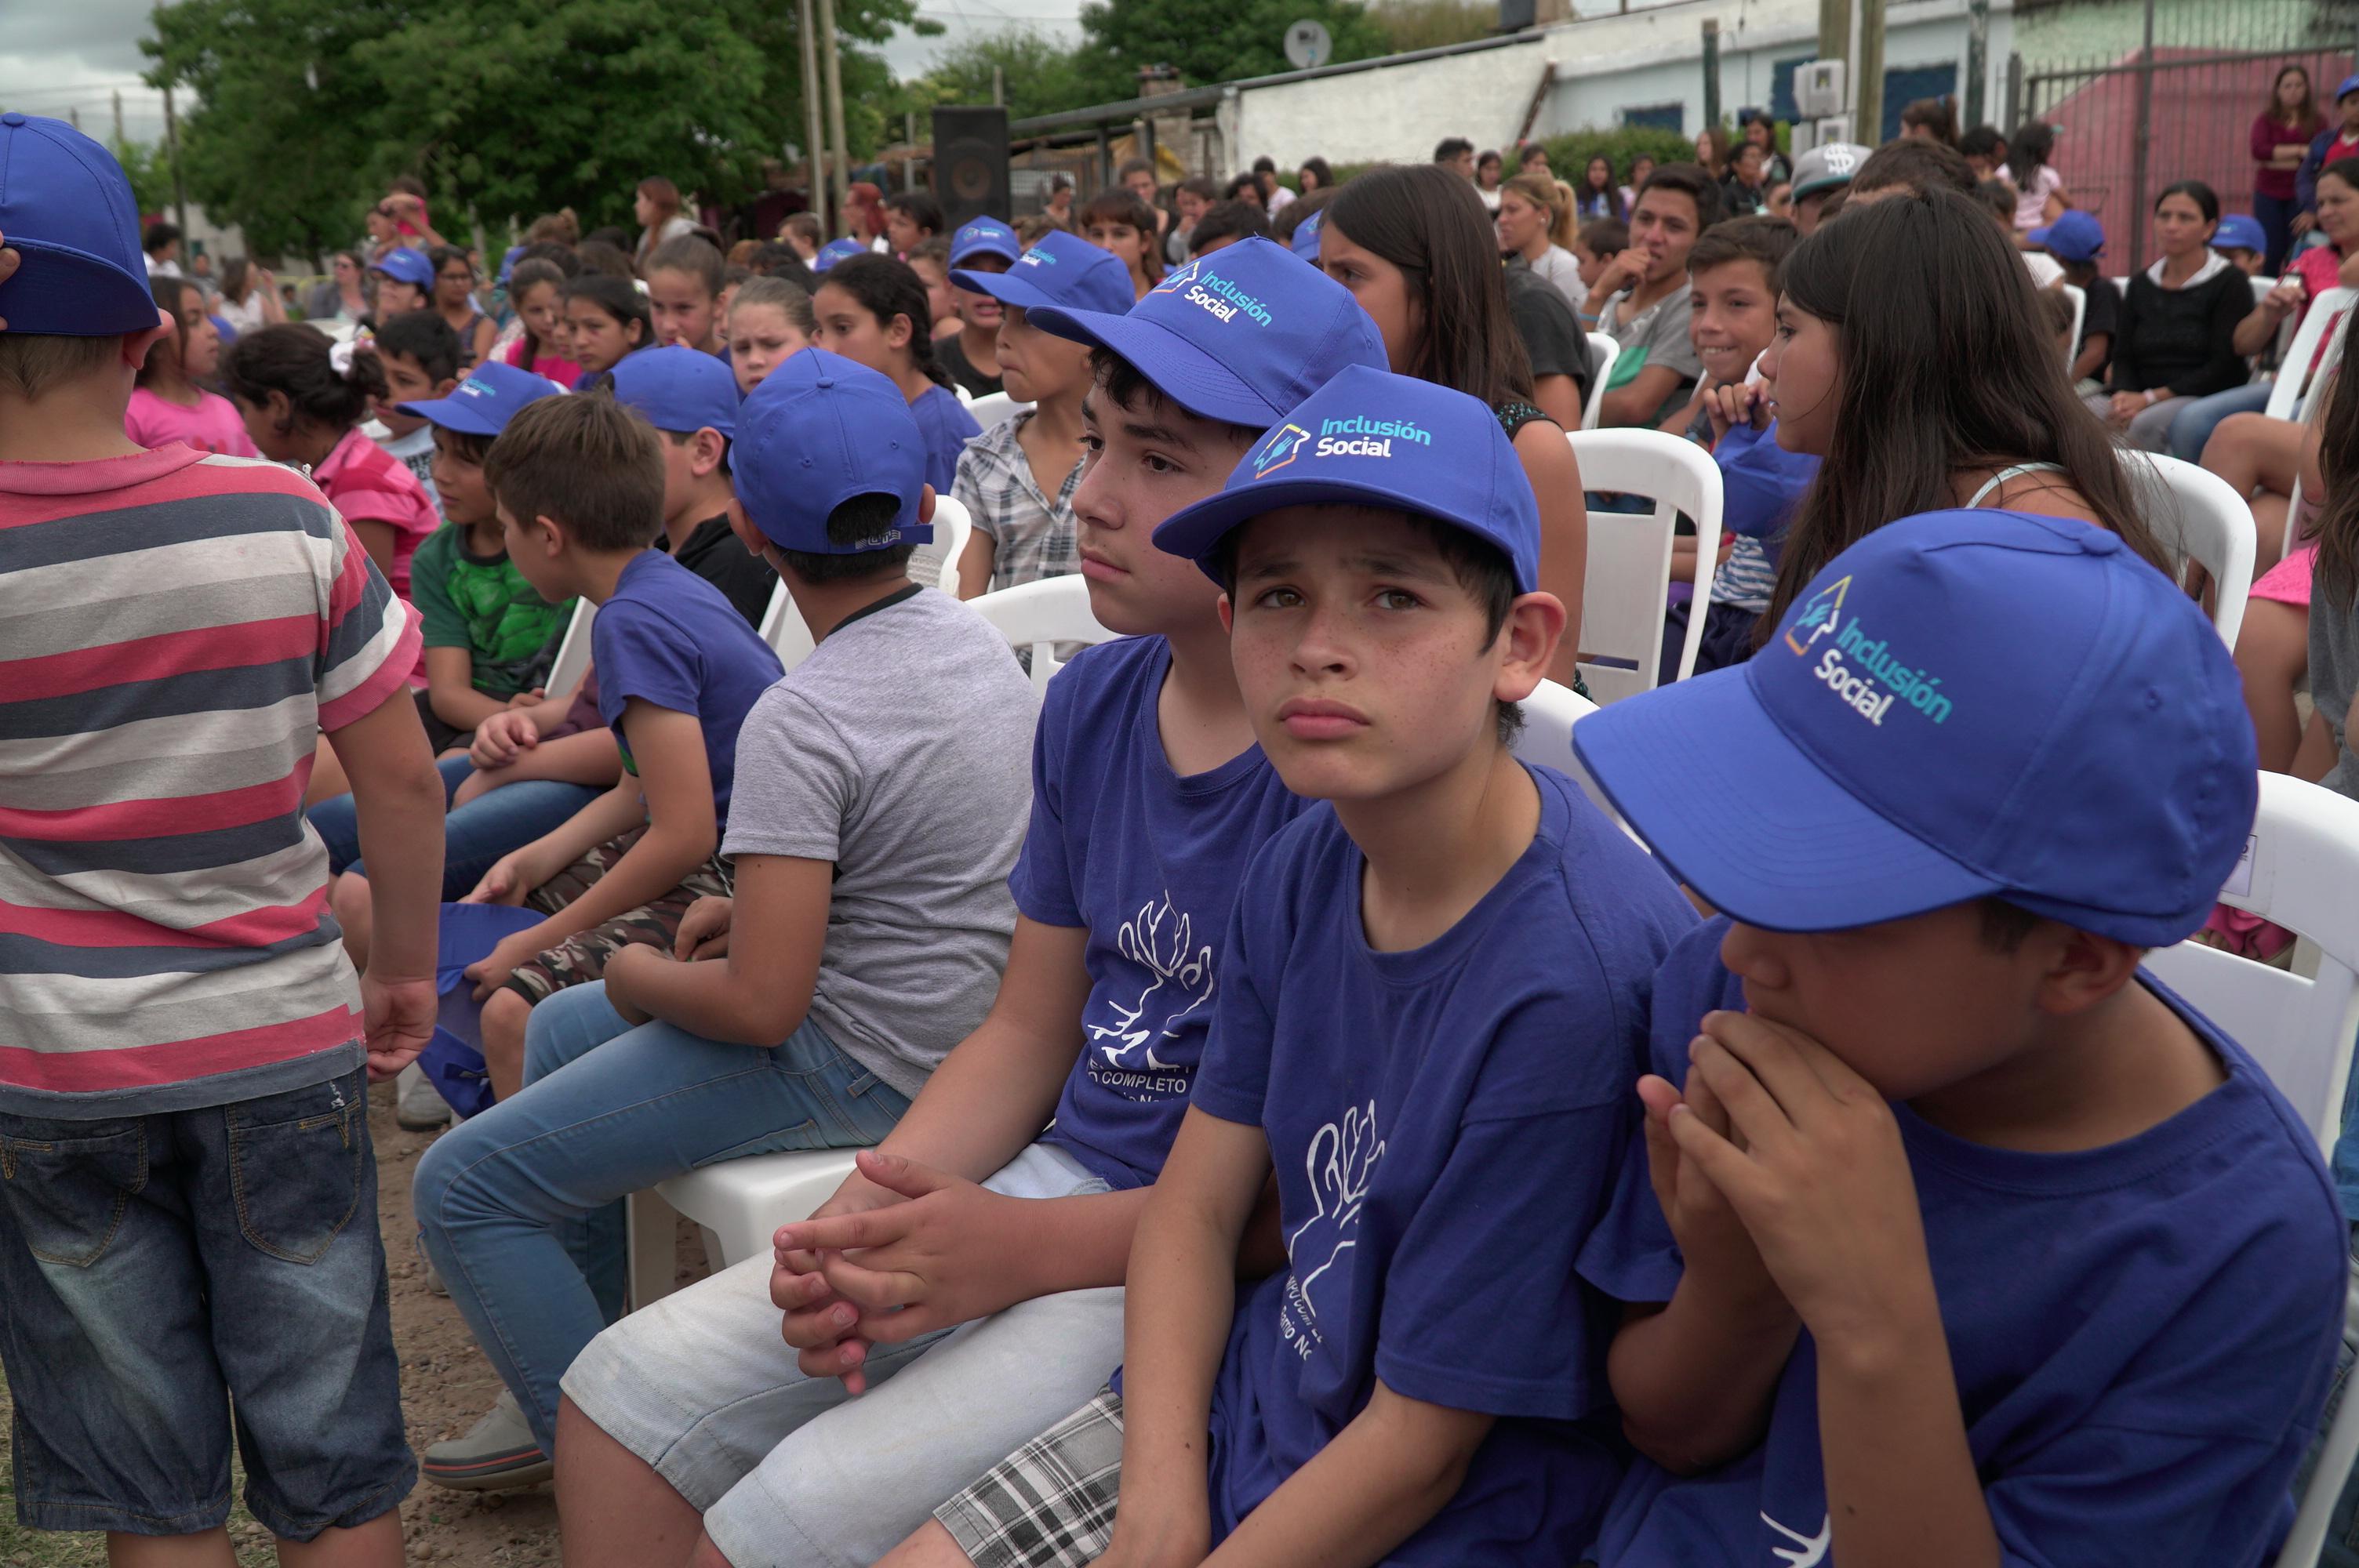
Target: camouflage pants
<point x="581" y="957"/>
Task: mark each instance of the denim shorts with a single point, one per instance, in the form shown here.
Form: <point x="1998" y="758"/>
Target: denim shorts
<point x="155" y="1267"/>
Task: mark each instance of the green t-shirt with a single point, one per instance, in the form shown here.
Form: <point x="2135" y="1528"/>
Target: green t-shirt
<point x="482" y="604"/>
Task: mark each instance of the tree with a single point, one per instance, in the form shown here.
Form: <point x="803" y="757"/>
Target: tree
<point x="305" y="111"/>
<point x="150" y="170"/>
<point x="1041" y="74"/>
<point x="1431" y="24"/>
<point x="1211" y="40"/>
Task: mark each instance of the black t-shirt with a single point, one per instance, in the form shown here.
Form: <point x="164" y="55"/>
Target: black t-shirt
<point x="1553" y="337"/>
<point x="715" y="554"/>
<point x="2100" y="315"/>
<point x="953" y="360"/>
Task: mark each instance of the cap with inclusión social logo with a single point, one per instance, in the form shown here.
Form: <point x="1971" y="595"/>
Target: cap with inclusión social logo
<point x="818" y="431"/>
<point x="679" y="389"/>
<point x="984" y="237"/>
<point x="835" y="250"/>
<point x="1962" y="705"/>
<point x="1373" y="438"/>
<point x="484" y="403"/>
<point x="1241" y="335"/>
<point x="405" y="265"/>
<point x="66" y="205"/>
<point x="1061" y="270"/>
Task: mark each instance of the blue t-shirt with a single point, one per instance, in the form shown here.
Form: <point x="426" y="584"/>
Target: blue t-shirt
<point x="1149" y="863"/>
<point x="1446" y="1125"/>
<point x="669" y="637"/>
<point x="1761" y="482"/>
<point x="2142" y="1333"/>
<point x="943" y="420"/>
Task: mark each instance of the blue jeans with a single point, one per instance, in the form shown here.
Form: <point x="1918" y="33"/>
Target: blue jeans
<point x="521" y="1207"/>
<point x="2277" y="214"/>
<point x="156" y="1268"/>
<point x="2199" y="417"/>
<point x="474" y="835"/>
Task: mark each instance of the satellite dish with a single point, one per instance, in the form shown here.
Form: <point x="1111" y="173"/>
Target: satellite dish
<point x="1308" y="45"/>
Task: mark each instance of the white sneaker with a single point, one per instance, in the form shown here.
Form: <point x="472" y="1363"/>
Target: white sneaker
<point x="498" y="1454"/>
<point x="416" y="1108"/>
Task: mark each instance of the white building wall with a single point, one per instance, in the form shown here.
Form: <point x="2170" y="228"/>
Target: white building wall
<point x="1394" y="114"/>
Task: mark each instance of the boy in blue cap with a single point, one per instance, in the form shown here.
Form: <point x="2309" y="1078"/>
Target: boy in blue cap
<point x="405" y="282"/>
<point x="1953" y="1237"/>
<point x="1436" y="995"/>
<point x="693" y="406"/>
<point x="865" y="938"/>
<point x="183" y="1105"/>
<point x="2076" y="240"/>
<point x="971" y="355"/>
<point x="2340" y="140"/>
<point x="988" y="1303"/>
<point x="1017" y="480"/>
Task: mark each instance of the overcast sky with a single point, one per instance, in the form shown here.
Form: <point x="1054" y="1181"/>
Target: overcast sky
<point x="56" y="57"/>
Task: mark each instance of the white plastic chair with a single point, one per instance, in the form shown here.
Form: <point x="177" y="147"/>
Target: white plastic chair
<point x="782" y="627"/>
<point x="2293" y="380"/>
<point x="1549" y="714"/>
<point x="951" y="528"/>
<point x="2079" y="298"/>
<point x="2301" y="870"/>
<point x="1623" y="601"/>
<point x="1036" y="616"/>
<point x="1603" y="351"/>
<point x="2312" y="412"/>
<point x="996" y="408"/>
<point x="2197" y="517"/>
<point x="573" y="651"/>
<point x="964" y="397"/>
<point x="740" y="1203"/>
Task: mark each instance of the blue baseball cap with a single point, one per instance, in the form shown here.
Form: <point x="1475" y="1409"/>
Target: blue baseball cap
<point x="985" y="237"/>
<point x="402" y="265"/>
<point x="1373" y="438"/>
<point x="507" y="263"/>
<point x="2077" y="236"/>
<point x="483" y="403"/>
<point x="1304" y="241"/>
<point x="2238" y="232"/>
<point x="679" y="389"/>
<point x="1062" y="270"/>
<point x="2350" y="85"/>
<point x="66" y="205"/>
<point x="835" y="250"/>
<point x="818" y="431"/>
<point x="1962" y="705"/>
<point x="1242" y="335"/>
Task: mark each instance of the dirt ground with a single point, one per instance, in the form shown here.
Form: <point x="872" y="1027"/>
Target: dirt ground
<point x="446" y="1384"/>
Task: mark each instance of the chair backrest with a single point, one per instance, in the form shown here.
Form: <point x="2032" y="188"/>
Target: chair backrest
<point x="2261" y="287"/>
<point x="2312" y="412"/>
<point x="2301" y="870"/>
<point x="2326" y="312"/>
<point x="952" y="527"/>
<point x="2197" y="516"/>
<point x="783" y="627"/>
<point x="1549" y="714"/>
<point x="573" y="651"/>
<point x="1036" y="616"/>
<point x="1623" y="600"/>
<point x="964" y="397"/>
<point x="1602" y="352"/>
<point x="994" y="409"/>
<point x="2079" y="298"/>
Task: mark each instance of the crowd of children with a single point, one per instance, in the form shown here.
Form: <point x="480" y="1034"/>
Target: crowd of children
<point x="1293" y="1126"/>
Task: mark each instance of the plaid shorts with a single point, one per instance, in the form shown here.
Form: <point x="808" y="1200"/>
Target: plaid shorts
<point x="1050" y="1503"/>
<point x="581" y="957"/>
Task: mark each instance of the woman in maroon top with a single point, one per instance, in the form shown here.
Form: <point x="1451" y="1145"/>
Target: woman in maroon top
<point x="2281" y="134"/>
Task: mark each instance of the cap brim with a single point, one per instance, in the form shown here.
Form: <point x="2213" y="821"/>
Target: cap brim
<point x="1003" y="286"/>
<point x="66" y="293"/>
<point x="450" y="414"/>
<point x="1812" y="188"/>
<point x="986" y="249"/>
<point x="1176" y="367"/>
<point x="1746" y="818"/>
<point x="1194" y="533"/>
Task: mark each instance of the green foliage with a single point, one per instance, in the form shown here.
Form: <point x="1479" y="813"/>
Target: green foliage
<point x="1431" y="24"/>
<point x="506" y="111"/>
<point x="150" y="168"/>
<point x="1212" y="40"/>
<point x="1571" y="153"/>
<point x="1042" y="76"/>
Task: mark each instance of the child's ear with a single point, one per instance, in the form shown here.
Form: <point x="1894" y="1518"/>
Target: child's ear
<point x="705" y="457"/>
<point x="902" y="333"/>
<point x="925" y="502"/>
<point x="136" y="345"/>
<point x="549" y="535"/>
<point x="742" y="527"/>
<point x="2079" y="969"/>
<point x="1228" y="612"/>
<point x="1534" y="626"/>
<point x="446" y="386"/>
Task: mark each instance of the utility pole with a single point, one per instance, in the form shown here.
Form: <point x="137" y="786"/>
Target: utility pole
<point x="999" y="87"/>
<point x="118" y="116"/>
<point x="73" y="117"/>
<point x="1868" y="129"/>
<point x="2141" y="163"/>
<point x="814" y="128"/>
<point x="834" y="66"/>
<point x="1711" y="72"/>
<point x="172" y="151"/>
<point x="1977" y="61"/>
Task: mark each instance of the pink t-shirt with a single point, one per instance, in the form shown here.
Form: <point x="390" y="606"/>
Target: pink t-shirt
<point x="366" y="485"/>
<point x="212" y="426"/>
<point x="564" y="373"/>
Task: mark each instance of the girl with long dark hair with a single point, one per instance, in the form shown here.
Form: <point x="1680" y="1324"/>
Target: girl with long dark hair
<point x="1880" y="310"/>
<point x="2040" y="196"/>
<point x="872" y="309"/>
<point x="1412" y="245"/>
<point x="1597" y="196"/>
<point x="170" y="401"/>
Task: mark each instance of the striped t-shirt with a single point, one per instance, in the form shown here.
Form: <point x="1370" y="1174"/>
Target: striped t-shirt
<point x="176" y="629"/>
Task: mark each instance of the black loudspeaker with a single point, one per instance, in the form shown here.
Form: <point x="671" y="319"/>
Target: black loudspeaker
<point x="971" y="165"/>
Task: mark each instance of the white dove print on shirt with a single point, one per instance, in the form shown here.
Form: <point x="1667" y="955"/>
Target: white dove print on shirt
<point x="1161" y="941"/>
<point x="1341" y="1165"/>
<point x="1808" y="1550"/>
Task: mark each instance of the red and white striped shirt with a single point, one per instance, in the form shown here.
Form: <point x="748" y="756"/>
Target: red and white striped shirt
<point x="176" y="629"/>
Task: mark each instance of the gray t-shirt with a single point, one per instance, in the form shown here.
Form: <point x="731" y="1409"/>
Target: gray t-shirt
<point x="900" y="750"/>
<point x="1657" y="336"/>
<point x="2333" y="678"/>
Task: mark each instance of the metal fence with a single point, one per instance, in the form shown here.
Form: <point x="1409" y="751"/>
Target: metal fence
<point x="2176" y="102"/>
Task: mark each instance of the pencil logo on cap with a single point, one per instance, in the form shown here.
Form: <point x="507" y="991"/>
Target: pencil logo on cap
<point x="1283" y="446"/>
